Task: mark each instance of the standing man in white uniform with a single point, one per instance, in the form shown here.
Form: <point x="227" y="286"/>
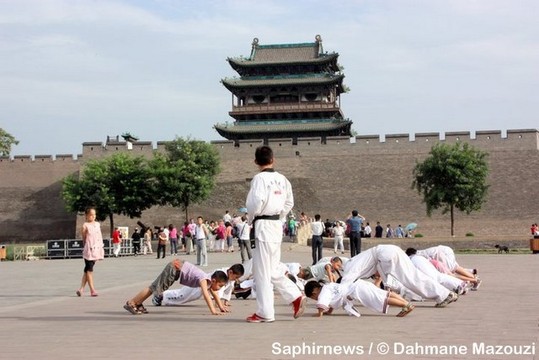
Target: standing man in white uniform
<point x="269" y="200"/>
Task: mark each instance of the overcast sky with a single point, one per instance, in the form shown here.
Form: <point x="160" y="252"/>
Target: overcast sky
<point x="77" y="71"/>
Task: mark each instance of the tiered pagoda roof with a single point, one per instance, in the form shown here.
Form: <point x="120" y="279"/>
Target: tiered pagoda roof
<point x="285" y="91"/>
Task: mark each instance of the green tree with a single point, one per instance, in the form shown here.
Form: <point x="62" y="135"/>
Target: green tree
<point x="452" y="177"/>
<point x="113" y="185"/>
<point x="185" y="174"/>
<point x="6" y="142"/>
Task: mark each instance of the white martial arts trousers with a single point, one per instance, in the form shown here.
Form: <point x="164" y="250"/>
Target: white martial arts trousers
<point x="392" y="260"/>
<point x="369" y="295"/>
<point x="426" y="267"/>
<point x="267" y="269"/>
<point x="447" y="256"/>
<point x="186" y="294"/>
<point x="181" y="296"/>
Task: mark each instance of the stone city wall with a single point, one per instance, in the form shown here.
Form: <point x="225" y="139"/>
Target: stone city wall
<point x="370" y="174"/>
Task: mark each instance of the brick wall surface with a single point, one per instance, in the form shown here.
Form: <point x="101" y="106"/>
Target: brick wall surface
<point x="331" y="179"/>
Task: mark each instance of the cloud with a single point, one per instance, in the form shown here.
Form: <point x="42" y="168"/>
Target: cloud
<point x="97" y="68"/>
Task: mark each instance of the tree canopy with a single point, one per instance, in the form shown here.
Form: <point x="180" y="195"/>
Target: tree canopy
<point x="113" y="185"/>
<point x="452" y="176"/>
<point x="186" y="173"/>
<point x="6" y="142"/>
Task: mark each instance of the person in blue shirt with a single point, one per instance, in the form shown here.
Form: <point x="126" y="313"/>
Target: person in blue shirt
<point x="355" y="221"/>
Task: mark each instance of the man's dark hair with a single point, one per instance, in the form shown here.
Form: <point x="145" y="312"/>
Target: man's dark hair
<point x="237" y="269"/>
<point x="219" y="276"/>
<point x="310" y="286"/>
<point x="263" y="155"/>
<point x="354" y="213"/>
<point x="411" y="251"/>
<point x="317" y="217"/>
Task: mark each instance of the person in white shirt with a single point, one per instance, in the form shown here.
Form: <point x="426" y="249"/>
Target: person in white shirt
<point x="317" y="242"/>
<point x="244" y="239"/>
<point x="269" y="201"/>
<point x="201" y="234"/>
<point x="328" y="271"/>
<point x="227" y="217"/>
<point x="338" y="235"/>
<point x="367" y="231"/>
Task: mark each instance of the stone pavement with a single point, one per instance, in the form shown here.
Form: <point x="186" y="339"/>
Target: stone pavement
<point x="41" y="317"/>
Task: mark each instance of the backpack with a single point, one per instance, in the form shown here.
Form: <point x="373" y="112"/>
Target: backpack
<point x="348" y="229"/>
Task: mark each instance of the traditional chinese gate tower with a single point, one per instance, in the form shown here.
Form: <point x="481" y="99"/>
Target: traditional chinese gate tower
<point x="286" y="91"/>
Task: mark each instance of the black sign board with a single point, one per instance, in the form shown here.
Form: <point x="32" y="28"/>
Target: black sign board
<point x="56" y="249"/>
<point x="74" y="248"/>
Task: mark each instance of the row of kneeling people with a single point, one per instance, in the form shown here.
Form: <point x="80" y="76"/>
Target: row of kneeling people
<point x="377" y="278"/>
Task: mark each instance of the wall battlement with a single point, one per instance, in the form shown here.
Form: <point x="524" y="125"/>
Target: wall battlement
<point x="489" y="140"/>
<point x="368" y="172"/>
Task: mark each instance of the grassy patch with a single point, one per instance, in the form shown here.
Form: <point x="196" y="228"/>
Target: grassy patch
<point x="492" y="251"/>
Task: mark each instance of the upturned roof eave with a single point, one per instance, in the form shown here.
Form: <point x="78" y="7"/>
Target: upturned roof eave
<point x="247" y="62"/>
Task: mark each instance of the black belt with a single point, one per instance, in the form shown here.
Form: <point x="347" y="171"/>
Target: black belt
<point x="260" y="217"/>
<point x="267" y="217"/>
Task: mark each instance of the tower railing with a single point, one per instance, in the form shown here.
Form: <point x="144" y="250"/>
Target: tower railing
<point x="284" y="107"/>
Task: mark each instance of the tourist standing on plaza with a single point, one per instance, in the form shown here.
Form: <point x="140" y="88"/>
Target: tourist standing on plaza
<point x="378" y="230"/>
<point x="173" y="236"/>
<point x="399" y="231"/>
<point x="244" y="239"/>
<point x="161" y="242"/>
<point x="355" y="221"/>
<point x="389" y="231"/>
<point x="292" y="229"/>
<point x="338" y="235"/>
<point x="229" y="236"/>
<point x="116" y="242"/>
<point x="368" y="230"/>
<point x="148" y="241"/>
<point x="92" y="251"/>
<point x="317" y="242"/>
<point x="220" y="236"/>
<point x="269" y="201"/>
<point x="227" y="217"/>
<point x="186" y="237"/>
<point x="201" y="234"/>
<point x="191" y="240"/>
<point x="136" y="241"/>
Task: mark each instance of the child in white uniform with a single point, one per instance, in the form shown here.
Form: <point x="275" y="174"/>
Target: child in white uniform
<point x="185" y="294"/>
<point x="186" y="274"/>
<point x="391" y="260"/>
<point x="332" y="296"/>
<point x="323" y="271"/>
<point x="448" y="281"/>
<point x="446" y="255"/>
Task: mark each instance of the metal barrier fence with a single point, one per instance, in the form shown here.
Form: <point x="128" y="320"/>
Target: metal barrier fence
<point x="72" y="248"/>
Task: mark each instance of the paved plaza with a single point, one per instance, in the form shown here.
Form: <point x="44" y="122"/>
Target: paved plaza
<point x="42" y="318"/>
